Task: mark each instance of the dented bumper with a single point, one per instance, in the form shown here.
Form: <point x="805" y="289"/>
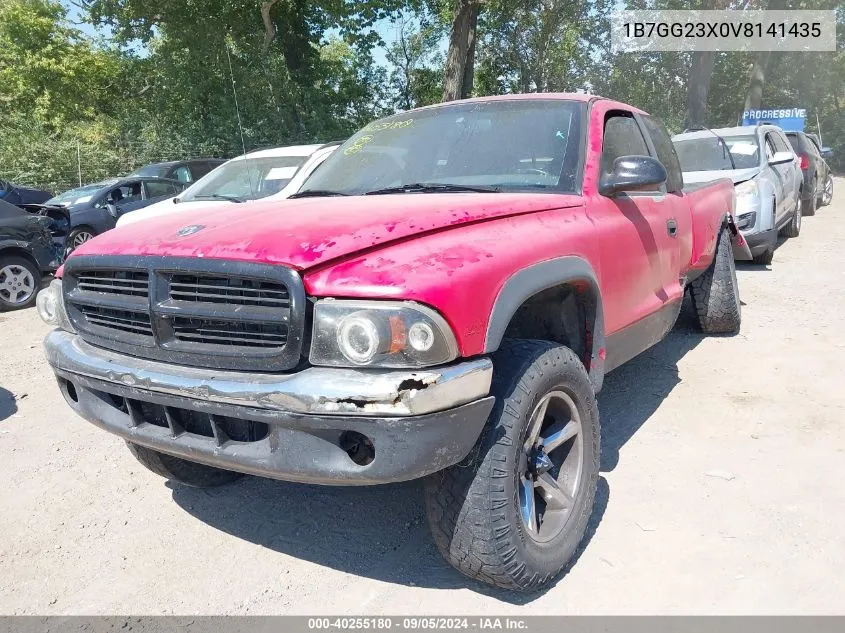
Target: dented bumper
<point x="299" y="427"/>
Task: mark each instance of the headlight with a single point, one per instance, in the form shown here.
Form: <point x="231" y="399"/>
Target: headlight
<point x="51" y="306"/>
<point x="747" y="189"/>
<point x="379" y="334"/>
<point x="746" y="221"/>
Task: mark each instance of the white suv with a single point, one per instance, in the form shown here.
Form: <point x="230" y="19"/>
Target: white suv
<point x="765" y="172"/>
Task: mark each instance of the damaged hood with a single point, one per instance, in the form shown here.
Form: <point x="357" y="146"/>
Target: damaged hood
<point x="308" y="232"/>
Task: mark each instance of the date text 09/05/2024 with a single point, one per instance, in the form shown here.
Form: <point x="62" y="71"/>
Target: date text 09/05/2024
<point x="416" y="623"/>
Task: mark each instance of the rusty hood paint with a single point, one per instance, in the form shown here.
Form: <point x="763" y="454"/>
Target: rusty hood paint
<point x="310" y="232"/>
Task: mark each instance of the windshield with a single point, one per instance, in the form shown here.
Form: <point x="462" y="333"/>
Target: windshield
<point x="246" y="178"/>
<point x="519" y="145"/>
<point x="709" y="154"/>
<point x="79" y="195"/>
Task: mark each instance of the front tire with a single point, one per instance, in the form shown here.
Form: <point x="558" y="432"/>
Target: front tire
<point x="78" y="237"/>
<point x="513" y="513"/>
<point x="765" y="258"/>
<point x="715" y="294"/>
<point x="181" y="470"/>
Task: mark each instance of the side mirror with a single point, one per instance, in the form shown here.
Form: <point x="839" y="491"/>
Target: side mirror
<point x="633" y="173"/>
<point x="781" y="157"/>
<point x="113" y="209"/>
<point x="827" y="152"/>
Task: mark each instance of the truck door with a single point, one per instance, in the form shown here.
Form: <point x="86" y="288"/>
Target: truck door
<point x="633" y="232"/>
<point x="672" y="208"/>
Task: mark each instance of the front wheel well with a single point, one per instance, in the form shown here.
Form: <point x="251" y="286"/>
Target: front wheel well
<point x="17" y="251"/>
<point x="565" y="314"/>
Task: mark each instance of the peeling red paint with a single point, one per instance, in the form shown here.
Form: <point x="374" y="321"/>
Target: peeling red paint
<point x="312" y="231"/>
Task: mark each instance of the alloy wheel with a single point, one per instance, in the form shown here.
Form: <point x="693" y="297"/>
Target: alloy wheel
<point x="80" y="238"/>
<point x="551" y="466"/>
<point x="827" y="195"/>
<point x="17" y="285"/>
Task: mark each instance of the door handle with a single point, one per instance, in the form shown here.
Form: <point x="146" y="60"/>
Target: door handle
<point x="672" y="228"/>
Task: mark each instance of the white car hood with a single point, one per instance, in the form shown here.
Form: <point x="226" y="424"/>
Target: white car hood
<point x="736" y="175"/>
<point x="165" y="207"/>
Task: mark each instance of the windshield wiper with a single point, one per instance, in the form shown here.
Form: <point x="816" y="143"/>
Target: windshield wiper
<point x="432" y="187"/>
<point x="219" y="196"/>
<point x="317" y="193"/>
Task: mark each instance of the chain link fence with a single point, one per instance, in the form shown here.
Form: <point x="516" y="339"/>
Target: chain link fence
<point x="61" y="165"/>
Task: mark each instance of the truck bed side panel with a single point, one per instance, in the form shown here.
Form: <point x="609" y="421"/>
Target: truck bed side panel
<point x="709" y="204"/>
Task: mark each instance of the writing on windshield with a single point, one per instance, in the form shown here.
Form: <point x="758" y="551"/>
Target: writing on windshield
<point x="512" y="145"/>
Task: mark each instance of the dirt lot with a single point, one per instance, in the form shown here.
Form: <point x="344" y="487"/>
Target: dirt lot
<point x="722" y="489"/>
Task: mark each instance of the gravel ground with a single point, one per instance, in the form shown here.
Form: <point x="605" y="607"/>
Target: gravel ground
<point x="721" y="491"/>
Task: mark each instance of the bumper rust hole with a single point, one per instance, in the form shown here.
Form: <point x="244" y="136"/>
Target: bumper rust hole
<point x="359" y="447"/>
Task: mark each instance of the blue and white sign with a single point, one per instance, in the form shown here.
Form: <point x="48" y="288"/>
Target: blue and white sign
<point x="790" y="119"/>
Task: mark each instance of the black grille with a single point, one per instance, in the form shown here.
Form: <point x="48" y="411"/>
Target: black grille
<point x="119" y="320"/>
<point x="266" y="335"/>
<point x="205" y="313"/>
<point x="229" y="290"/>
<point x="132" y="283"/>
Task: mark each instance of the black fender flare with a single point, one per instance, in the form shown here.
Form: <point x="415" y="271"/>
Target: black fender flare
<point x="541" y="276"/>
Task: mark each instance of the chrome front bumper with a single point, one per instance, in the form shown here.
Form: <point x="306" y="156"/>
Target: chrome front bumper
<point x="316" y="390"/>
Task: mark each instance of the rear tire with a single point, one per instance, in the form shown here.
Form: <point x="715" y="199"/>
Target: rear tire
<point x="808" y="206"/>
<point x="20" y="280"/>
<point x="181" y="470"/>
<point x="715" y="294"/>
<point x="485" y="513"/>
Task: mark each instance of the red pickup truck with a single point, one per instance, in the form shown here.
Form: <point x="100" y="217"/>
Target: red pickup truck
<point x="441" y="300"/>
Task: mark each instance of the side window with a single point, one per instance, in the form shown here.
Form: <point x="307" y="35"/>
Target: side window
<point x="201" y="169"/>
<point x="622" y="137"/>
<point x="125" y="194"/>
<point x="770" y="147"/>
<point x="665" y="153"/>
<point x="814" y="148"/>
<point x="183" y="174"/>
<point x="780" y="144"/>
<point x="157" y="189"/>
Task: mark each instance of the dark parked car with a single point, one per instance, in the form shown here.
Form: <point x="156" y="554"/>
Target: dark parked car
<point x="95" y="208"/>
<point x="818" y="181"/>
<point x="17" y="195"/>
<point x="181" y="170"/>
<point x="29" y="249"/>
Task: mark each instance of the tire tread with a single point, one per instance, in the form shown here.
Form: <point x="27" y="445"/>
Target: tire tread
<point x="467" y="508"/>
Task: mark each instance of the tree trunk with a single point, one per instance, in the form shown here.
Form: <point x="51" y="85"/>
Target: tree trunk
<point x="461" y="46"/>
<point x="469" y="67"/>
<point x="698" y="88"/>
<point x="269" y="27"/>
<point x="754" y="96"/>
